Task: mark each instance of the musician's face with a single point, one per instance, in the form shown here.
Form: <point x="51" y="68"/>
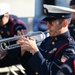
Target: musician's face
<point x="54" y="28"/>
<point x="4" y="19"/>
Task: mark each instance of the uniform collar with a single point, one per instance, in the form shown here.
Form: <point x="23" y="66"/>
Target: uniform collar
<point x="66" y="35"/>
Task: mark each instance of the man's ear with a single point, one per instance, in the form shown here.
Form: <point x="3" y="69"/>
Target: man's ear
<point x="65" y="22"/>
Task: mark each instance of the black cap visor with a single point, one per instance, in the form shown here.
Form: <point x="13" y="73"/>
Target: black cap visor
<point x="49" y="19"/>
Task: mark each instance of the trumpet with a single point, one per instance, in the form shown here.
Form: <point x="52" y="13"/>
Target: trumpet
<point x="38" y="36"/>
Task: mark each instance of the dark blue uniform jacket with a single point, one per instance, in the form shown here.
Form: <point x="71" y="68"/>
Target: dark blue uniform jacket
<point x="68" y="68"/>
<point x="48" y="60"/>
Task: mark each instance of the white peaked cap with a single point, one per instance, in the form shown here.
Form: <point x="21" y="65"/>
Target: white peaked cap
<point x="58" y="9"/>
<point x="4" y="8"/>
<point x="56" y="12"/>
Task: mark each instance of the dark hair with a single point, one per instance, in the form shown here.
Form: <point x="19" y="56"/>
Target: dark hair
<point x="60" y="20"/>
<point x="1" y="17"/>
<point x="69" y="20"/>
<point x="49" y="2"/>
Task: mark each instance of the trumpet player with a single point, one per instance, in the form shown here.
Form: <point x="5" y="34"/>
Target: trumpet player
<point x="47" y="59"/>
<point x="9" y="26"/>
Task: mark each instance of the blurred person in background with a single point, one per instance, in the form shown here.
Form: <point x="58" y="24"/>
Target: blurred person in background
<point x="72" y="5"/>
<point x="10" y="25"/>
<point x="72" y="24"/>
<point x="39" y="25"/>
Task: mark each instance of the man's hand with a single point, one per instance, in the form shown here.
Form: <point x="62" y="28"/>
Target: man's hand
<point x="28" y="44"/>
<point x="21" y="32"/>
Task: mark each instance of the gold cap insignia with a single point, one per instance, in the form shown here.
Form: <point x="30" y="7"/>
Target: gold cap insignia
<point x="8" y="33"/>
<point x="1" y="32"/>
<point x="45" y="11"/>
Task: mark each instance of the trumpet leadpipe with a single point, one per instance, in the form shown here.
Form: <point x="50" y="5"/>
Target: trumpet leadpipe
<point x="17" y="37"/>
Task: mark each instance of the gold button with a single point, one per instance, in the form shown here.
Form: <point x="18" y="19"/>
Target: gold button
<point x="46" y="59"/>
<point x="36" y="73"/>
<point x="8" y="33"/>
<point x="5" y="26"/>
<point x="46" y="51"/>
<point x="53" y="43"/>
<point x="73" y="29"/>
<point x="1" y="32"/>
